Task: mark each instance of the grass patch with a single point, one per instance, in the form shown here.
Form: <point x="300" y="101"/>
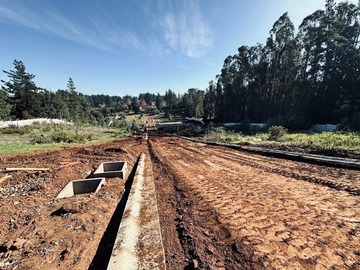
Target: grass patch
<point x="26" y="148"/>
<point x="324" y="140"/>
<point x="49" y="136"/>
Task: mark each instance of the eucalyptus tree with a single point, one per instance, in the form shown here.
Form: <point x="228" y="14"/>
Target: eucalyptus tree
<point x="226" y="90"/>
<point x="282" y="66"/>
<point x="257" y="85"/>
<point x="330" y="58"/>
<point x="210" y="102"/>
<point x="311" y="64"/>
<point x="344" y="76"/>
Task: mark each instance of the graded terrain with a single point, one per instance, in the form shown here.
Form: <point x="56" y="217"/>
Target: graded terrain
<point x="219" y="208"/>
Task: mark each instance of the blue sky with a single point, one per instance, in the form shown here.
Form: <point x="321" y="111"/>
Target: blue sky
<point x="134" y="46"/>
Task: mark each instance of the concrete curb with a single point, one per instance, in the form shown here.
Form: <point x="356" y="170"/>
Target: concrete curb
<point x="138" y="244"/>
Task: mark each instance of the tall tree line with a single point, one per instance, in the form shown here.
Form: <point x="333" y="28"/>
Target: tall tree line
<point x="20" y="98"/>
<point x="311" y="76"/>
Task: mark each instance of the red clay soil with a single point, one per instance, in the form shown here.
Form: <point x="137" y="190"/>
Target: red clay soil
<point x="219" y="209"/>
<point x="234" y="210"/>
<point x="39" y="231"/>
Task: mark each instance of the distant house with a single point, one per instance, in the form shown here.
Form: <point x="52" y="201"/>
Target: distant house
<point x="142" y="103"/>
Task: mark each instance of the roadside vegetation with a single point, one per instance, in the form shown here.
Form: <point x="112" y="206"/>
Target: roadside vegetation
<point x="278" y="136"/>
<point x="15" y="139"/>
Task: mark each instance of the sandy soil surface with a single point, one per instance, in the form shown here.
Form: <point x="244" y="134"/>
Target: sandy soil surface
<point x="234" y="210"/>
<point x="219" y="209"/>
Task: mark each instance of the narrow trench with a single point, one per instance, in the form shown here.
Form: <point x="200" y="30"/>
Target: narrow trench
<point x="224" y="247"/>
<point x="103" y="253"/>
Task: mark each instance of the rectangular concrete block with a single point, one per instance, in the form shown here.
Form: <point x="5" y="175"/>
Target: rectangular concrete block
<point x="111" y="169"/>
<point x="81" y="186"/>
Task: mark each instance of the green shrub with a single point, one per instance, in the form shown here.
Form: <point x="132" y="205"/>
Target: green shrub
<point x="276" y="132"/>
<point x="81" y="138"/>
<point x="40" y="139"/>
<point x="71" y="138"/>
<point x="46" y="128"/>
<point x="12" y="129"/>
<point x="62" y="137"/>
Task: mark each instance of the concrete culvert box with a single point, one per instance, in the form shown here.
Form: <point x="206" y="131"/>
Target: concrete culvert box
<point x="81" y="186"/>
<point x="111" y="169"/>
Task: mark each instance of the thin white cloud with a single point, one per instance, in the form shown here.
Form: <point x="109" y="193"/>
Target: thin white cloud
<point x="181" y="29"/>
<point x="14" y="16"/>
<point x="65" y="27"/>
<point x="46" y="20"/>
<point x="185" y="30"/>
<point x="115" y="35"/>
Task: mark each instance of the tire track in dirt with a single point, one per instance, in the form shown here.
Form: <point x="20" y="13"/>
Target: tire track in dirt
<point x="284" y="223"/>
<point x="350" y="180"/>
<point x="204" y="240"/>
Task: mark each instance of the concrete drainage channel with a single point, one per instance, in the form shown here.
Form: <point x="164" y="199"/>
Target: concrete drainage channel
<point x="138" y="243"/>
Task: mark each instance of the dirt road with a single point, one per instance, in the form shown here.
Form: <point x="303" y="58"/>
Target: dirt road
<point x="219" y="209"/>
<point x="234" y="210"/>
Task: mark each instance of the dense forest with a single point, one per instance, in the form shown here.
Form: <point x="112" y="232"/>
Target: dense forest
<point x="295" y="79"/>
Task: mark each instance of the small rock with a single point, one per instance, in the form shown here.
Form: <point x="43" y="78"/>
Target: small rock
<point x="13" y="248"/>
<point x="16" y="203"/>
<point x="3" y="249"/>
<point x="210" y="249"/>
<point x="195" y="264"/>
